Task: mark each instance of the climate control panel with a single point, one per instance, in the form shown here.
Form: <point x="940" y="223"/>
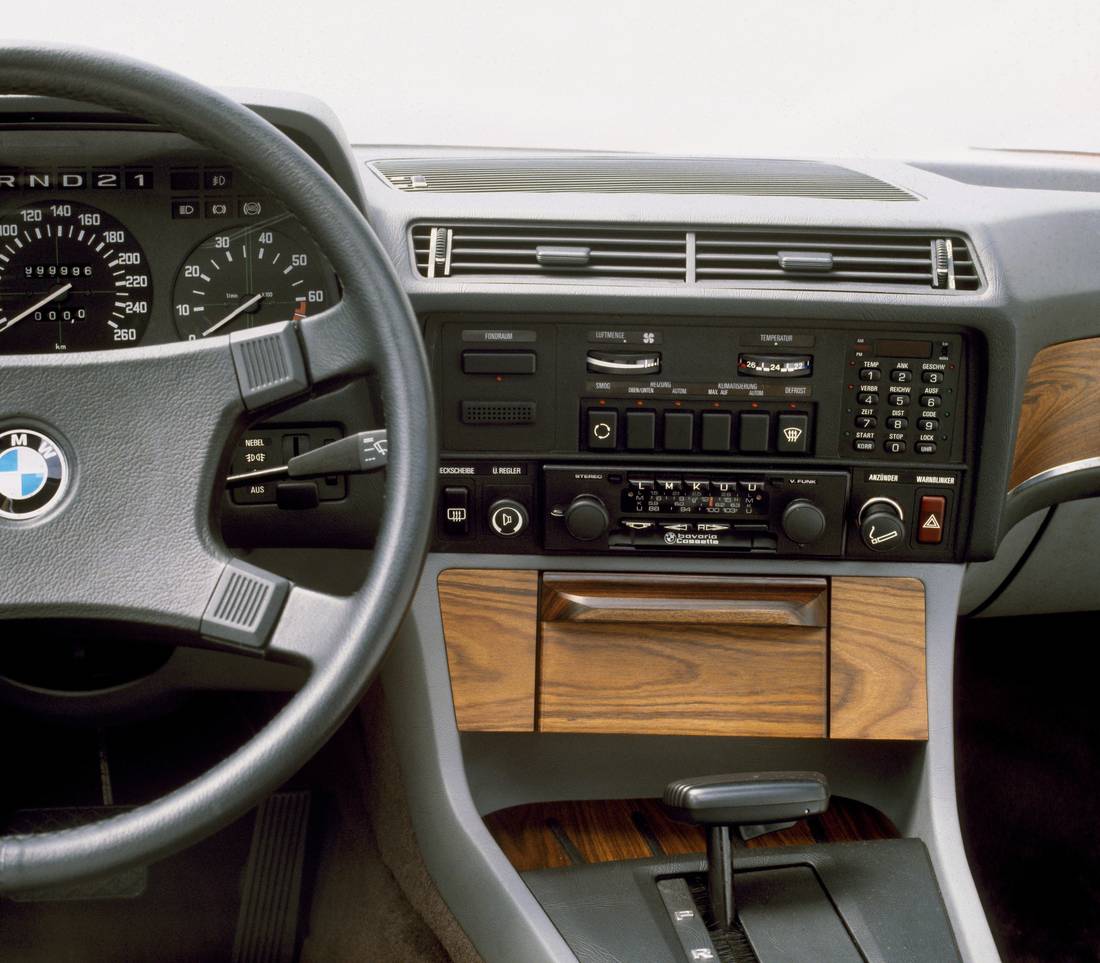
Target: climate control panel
<point x="630" y="434"/>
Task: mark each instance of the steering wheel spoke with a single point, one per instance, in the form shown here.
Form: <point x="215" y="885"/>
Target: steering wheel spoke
<point x="140" y="433"/>
<point x="338" y="344"/>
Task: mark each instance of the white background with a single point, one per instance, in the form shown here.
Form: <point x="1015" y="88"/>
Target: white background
<point x="780" y="77"/>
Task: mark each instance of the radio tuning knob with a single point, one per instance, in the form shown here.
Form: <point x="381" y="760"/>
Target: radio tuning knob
<point x="586" y="518"/>
<point x="882" y="524"/>
<point x="803" y="522"/>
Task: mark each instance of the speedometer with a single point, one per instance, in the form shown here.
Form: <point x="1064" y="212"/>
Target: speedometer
<point x="72" y="278"/>
<point x="249" y="276"/>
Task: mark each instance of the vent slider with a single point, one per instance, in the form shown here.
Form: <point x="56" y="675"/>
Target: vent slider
<point x="562" y="256"/>
<point x="805" y="260"/>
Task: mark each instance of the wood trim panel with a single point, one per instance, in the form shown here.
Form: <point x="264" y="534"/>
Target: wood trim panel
<point x="877" y="679"/>
<point x="1060" y="414"/>
<point x="490" y="621"/>
<point x="547" y="835"/>
<point x="682" y="679"/>
<point x="700" y="599"/>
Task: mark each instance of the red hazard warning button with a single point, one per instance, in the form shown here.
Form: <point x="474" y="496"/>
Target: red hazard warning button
<point x="931" y="520"/>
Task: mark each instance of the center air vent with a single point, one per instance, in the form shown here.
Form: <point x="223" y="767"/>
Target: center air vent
<point x="550" y="252"/>
<point x="846" y="259"/>
<point x="745" y="257"/>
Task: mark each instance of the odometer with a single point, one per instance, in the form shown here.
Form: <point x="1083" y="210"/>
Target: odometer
<point x="248" y="276"/>
<point x="72" y="278"/>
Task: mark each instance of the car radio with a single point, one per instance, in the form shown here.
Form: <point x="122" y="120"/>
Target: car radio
<point x="615" y="434"/>
<point x="735" y="511"/>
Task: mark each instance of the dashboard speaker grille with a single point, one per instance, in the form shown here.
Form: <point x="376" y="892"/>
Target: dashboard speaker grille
<point x="498" y="412"/>
<point x="638" y="175"/>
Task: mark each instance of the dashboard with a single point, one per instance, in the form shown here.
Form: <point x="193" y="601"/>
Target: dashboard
<point x="657" y="380"/>
<point x="625" y="367"/>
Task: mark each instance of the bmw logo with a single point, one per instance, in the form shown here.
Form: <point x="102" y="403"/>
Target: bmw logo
<point x="33" y="473"/>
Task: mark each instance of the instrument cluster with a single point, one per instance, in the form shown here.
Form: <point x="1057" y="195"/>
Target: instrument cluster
<point x="110" y="239"/>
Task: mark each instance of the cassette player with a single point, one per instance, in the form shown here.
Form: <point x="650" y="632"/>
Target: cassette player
<point x="725" y="511"/>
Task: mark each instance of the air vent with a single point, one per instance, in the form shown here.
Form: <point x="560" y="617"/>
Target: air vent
<point x="844" y="260"/>
<point x="638" y="175"/>
<point x="539" y="251"/>
<point x="749" y="258"/>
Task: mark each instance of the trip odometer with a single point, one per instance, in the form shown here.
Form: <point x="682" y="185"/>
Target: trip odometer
<point x="248" y="276"/>
<point x="72" y="278"/>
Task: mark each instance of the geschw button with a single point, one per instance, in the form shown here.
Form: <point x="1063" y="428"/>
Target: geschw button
<point x="507" y="518"/>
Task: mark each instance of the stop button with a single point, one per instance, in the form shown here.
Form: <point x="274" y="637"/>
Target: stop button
<point x="931" y="518"/>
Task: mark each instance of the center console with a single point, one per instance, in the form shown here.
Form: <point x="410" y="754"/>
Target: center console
<point x="618" y="435"/>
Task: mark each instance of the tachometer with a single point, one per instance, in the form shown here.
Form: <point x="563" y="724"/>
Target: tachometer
<point x="249" y="276"/>
<point x="72" y="278"/>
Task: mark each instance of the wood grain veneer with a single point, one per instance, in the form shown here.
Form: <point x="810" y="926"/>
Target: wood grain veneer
<point x="877" y="680"/>
<point x="1060" y="413"/>
<point x="628" y="654"/>
<point x="611" y="661"/>
<point x="490" y="619"/>
<point x="700" y="599"/>
<point x="547" y="835"/>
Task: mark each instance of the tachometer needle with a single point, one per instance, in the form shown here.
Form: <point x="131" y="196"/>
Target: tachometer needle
<point x="232" y="314"/>
<point x="52" y="296"/>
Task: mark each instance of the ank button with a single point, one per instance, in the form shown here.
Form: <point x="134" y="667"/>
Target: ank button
<point x="931" y="519"/>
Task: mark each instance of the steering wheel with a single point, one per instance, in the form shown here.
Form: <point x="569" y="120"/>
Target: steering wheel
<point x="145" y="432"/>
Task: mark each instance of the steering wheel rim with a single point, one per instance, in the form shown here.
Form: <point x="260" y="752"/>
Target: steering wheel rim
<point x="372" y="329"/>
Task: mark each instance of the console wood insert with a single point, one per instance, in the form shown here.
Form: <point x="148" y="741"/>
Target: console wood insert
<point x="877" y="682"/>
<point x="685" y="655"/>
<point x="1060" y="413"/>
<point x="700" y="599"/>
<point x="682" y="655"/>
<point x="547" y="835"/>
<point x="489" y="626"/>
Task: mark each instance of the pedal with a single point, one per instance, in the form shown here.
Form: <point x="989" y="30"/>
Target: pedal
<point x="267" y="927"/>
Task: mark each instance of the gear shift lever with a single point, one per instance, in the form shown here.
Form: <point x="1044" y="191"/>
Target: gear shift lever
<point x="741" y="799"/>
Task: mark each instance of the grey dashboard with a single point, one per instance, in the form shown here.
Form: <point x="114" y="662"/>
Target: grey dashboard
<point x="1029" y="230"/>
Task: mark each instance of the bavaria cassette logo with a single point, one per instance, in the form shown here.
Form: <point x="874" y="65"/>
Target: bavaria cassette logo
<point x="33" y="473"/>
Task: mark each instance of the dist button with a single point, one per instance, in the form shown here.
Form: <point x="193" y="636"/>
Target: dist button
<point x="931" y="519"/>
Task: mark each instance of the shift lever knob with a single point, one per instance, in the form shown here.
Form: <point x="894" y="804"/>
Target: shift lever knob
<point x="741" y="799"/>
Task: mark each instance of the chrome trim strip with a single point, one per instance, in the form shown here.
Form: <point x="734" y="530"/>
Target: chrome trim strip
<point x="1084" y="464"/>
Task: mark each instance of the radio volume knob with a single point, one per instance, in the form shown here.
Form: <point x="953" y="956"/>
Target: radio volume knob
<point x="586" y="518"/>
<point x="803" y="522"/>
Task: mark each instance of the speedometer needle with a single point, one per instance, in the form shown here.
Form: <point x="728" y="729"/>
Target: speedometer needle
<point x="232" y="314"/>
<point x="52" y="296"/>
